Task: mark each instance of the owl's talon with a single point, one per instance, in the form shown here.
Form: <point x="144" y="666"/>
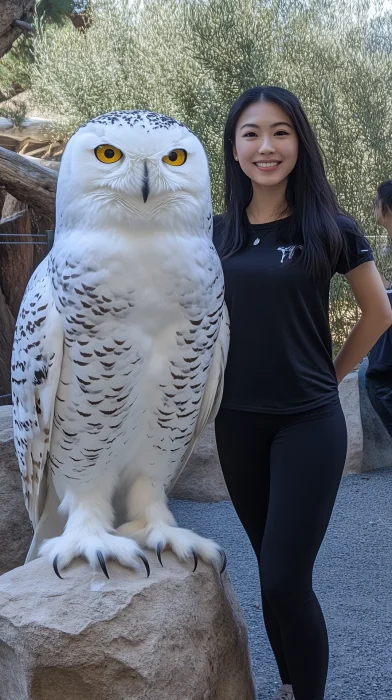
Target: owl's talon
<point x="159" y="550"/>
<point x="196" y="559"/>
<point x="56" y="571"/>
<point x="145" y="562"/>
<point x="102" y="563"/>
<point x="224" y="561"/>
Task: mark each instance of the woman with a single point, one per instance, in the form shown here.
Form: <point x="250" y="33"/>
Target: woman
<point x="280" y="432"/>
<point x="379" y="370"/>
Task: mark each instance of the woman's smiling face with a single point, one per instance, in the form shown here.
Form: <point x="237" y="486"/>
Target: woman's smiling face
<point x="266" y="144"/>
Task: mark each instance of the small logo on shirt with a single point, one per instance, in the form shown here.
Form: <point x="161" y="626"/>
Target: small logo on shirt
<point x="287" y="253"/>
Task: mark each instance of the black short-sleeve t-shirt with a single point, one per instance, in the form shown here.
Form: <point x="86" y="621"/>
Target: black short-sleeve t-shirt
<point x="280" y="355"/>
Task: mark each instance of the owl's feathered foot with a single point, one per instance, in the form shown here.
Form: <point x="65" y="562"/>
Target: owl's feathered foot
<point x="184" y="543"/>
<point x="96" y="548"/>
<point x="102" y="563"/>
<point x="207" y="544"/>
<point x="160" y="548"/>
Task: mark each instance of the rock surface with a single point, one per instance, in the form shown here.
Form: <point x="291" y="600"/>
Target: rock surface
<point x="175" y="635"/>
<point x="6" y="430"/>
<point x="15" y="528"/>
<point x="349" y="398"/>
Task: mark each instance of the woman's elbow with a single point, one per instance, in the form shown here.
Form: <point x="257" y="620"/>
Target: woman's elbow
<point x="388" y="319"/>
<point x="384" y="320"/>
<point x="381" y="320"/>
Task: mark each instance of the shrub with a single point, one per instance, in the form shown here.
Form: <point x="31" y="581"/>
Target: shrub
<point x="192" y="58"/>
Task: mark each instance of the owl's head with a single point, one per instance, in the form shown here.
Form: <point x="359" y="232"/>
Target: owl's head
<point x="133" y="169"/>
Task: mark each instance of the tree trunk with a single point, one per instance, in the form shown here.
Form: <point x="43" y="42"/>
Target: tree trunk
<point x="2" y="198"/>
<point x="29" y="182"/>
<point x="12" y="10"/>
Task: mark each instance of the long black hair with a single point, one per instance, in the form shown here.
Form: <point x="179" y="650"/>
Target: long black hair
<point x="310" y="198"/>
<point x="384" y="196"/>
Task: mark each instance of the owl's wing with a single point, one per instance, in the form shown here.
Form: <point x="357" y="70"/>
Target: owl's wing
<point x="213" y="390"/>
<point x="212" y="396"/>
<point x="35" y="371"/>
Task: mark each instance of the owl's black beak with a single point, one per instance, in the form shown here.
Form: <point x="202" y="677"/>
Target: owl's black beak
<point x="146" y="184"/>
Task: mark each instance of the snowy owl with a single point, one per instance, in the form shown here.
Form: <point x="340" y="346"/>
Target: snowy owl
<point x="120" y="345"/>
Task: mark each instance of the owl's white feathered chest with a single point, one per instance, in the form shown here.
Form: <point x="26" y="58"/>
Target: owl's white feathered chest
<point x="140" y="320"/>
<point x="158" y="276"/>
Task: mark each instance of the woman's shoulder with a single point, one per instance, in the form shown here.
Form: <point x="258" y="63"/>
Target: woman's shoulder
<point x="356" y="248"/>
<point x="348" y="225"/>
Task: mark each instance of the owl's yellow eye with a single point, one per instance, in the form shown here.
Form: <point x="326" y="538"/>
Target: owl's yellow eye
<point x="108" y="154"/>
<point x="177" y="157"/>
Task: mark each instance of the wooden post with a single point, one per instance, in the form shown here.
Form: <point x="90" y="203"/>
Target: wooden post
<point x="29" y="182"/>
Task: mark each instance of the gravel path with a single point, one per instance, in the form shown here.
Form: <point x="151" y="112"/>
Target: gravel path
<point x="353" y="580"/>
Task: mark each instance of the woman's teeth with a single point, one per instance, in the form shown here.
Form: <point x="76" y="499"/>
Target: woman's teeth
<point x="272" y="164"/>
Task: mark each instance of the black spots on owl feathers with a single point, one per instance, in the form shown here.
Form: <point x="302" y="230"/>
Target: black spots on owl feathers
<point x="40" y="375"/>
<point x="136" y="117"/>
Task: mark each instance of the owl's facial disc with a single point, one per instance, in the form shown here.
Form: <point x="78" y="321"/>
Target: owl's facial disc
<point x="175" y="158"/>
<point x="133" y="169"/>
<point x="106" y="153"/>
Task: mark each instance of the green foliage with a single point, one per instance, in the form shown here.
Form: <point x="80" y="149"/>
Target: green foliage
<point x="15" y="69"/>
<point x="15" y="65"/>
<point x="192" y="58"/>
<point x="54" y="11"/>
<point x="57" y="11"/>
<point x="17" y="112"/>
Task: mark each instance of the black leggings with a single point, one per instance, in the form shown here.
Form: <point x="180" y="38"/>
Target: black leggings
<point x="283" y="474"/>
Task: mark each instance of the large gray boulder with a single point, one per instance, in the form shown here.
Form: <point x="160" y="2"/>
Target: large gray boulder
<point x="175" y="635"/>
<point x="349" y="399"/>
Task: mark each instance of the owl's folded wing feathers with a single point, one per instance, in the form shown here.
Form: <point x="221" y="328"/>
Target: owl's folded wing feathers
<point x="213" y="390"/>
<point x="35" y="370"/>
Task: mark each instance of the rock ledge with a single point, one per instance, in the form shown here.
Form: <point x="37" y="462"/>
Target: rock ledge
<point x="176" y="635"/>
